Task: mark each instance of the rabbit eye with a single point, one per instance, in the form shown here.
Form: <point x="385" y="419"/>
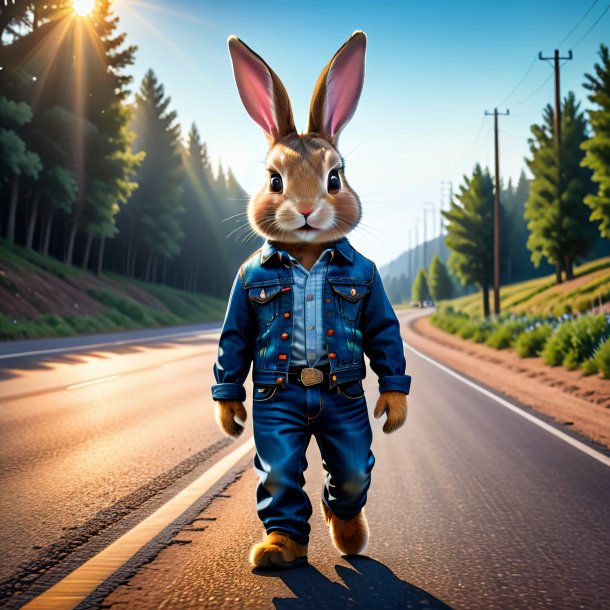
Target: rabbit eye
<point x="276" y="184"/>
<point x="334" y="182"/>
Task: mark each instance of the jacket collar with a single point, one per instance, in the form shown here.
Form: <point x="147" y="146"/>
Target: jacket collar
<point x="342" y="247"/>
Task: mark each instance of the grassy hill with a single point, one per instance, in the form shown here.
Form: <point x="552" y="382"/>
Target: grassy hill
<point x="542" y="296"/>
<point x="42" y="297"/>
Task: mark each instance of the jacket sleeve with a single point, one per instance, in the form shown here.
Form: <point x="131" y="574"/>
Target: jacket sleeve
<point x="382" y="340"/>
<point x="236" y="346"/>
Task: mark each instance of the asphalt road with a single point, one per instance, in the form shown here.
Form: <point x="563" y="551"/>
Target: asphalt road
<point x="471" y="506"/>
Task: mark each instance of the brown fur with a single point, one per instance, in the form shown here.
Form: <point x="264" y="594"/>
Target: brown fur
<point x="316" y="108"/>
<point x="348" y="537"/>
<point x="226" y="410"/>
<point x="394" y="404"/>
<point x="304" y="162"/>
<point x="278" y="550"/>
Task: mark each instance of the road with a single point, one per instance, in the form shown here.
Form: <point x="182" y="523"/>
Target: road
<point x="471" y="506"/>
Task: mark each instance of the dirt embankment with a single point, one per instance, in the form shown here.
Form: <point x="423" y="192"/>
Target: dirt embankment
<point x="570" y="398"/>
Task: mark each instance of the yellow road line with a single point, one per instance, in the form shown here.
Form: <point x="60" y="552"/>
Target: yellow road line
<point x="76" y="586"/>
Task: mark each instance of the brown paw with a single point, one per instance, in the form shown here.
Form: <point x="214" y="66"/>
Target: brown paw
<point x="394" y="404"/>
<point x="226" y="412"/>
<point x="348" y="537"/>
<point x="278" y="550"/>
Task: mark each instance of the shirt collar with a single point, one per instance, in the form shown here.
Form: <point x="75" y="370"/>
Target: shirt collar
<point x="343" y="247"/>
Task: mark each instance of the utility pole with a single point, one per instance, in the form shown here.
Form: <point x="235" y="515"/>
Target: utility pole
<point x="557" y="130"/>
<point x="557" y="117"/>
<point x="428" y="207"/>
<point x="495" y="114"/>
<point x="416" y="226"/>
<point x="443" y="183"/>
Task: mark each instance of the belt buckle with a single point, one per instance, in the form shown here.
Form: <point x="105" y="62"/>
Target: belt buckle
<point x="311" y="376"/>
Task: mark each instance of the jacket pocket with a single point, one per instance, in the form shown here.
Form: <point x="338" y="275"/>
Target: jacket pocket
<point x="349" y="294"/>
<point x="266" y="302"/>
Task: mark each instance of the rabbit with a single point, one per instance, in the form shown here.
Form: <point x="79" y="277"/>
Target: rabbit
<point x="305" y="210"/>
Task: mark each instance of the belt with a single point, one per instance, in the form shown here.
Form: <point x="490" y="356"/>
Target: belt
<point x="308" y="376"/>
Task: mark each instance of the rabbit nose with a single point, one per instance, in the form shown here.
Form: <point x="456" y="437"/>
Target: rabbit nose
<point x="306" y="212"/>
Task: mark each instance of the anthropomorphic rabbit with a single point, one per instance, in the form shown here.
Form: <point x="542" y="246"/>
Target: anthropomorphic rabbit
<point x="304" y="309"/>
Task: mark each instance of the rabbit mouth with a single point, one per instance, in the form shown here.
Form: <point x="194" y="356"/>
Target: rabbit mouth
<point x="307" y="227"/>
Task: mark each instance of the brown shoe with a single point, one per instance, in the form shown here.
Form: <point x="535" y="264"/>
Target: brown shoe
<point x="349" y="537"/>
<point x="278" y="550"/>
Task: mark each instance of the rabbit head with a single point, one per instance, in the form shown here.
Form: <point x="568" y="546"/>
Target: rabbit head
<point x="306" y="197"/>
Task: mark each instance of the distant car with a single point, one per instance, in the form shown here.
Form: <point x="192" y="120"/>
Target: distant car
<point x="428" y="304"/>
<point x="415" y="304"/>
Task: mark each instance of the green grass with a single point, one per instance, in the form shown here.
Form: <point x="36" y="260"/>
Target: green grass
<point x="530" y="322"/>
<point x="542" y="296"/>
<point x="162" y="306"/>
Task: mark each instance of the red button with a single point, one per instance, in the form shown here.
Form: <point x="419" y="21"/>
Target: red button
<point x="279" y="379"/>
<point x="332" y="355"/>
<point x="330" y="332"/>
<point x="287" y="314"/>
<point x="284" y="336"/>
<point x="282" y="356"/>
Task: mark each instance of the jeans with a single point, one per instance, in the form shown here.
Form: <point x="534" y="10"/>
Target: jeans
<point x="284" y="419"/>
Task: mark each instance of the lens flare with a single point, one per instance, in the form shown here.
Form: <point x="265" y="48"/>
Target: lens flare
<point x="83" y="7"/>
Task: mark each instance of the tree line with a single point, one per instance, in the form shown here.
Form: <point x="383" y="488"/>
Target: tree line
<point x="92" y="178"/>
<point x="566" y="205"/>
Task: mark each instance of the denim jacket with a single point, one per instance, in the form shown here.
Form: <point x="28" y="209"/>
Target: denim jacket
<point x="358" y="320"/>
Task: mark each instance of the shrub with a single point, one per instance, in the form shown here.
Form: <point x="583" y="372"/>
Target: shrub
<point x="531" y="342"/>
<point x="505" y="333"/>
<point x="587" y="334"/>
<point x="449" y="320"/>
<point x="602" y="358"/>
<point x="468" y="329"/>
<point x="57" y="325"/>
<point x="481" y="333"/>
<point x="557" y="345"/>
<point x="574" y="341"/>
<point x="588" y="367"/>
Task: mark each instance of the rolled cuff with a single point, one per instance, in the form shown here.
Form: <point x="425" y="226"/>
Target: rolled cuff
<point x="229" y="391"/>
<point x="395" y="383"/>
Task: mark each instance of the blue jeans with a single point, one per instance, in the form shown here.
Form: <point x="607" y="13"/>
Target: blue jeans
<point x="284" y="420"/>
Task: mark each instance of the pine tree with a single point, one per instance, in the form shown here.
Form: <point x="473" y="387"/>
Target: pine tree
<point x="421" y="290"/>
<point x="152" y="215"/>
<point x="16" y="160"/>
<point x="557" y="219"/>
<point x="72" y="69"/>
<point x="470" y="232"/>
<point x="439" y="280"/>
<point x="597" y="148"/>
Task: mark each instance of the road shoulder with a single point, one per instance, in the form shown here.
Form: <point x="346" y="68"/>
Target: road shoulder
<point x="575" y="402"/>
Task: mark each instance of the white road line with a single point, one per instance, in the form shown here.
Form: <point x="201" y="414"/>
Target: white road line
<point x="85" y="383"/>
<point x="74" y="348"/>
<point x="76" y="586"/>
<point x="600" y="457"/>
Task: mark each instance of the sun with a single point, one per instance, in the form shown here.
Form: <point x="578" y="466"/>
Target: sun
<point x="83" y="7"/>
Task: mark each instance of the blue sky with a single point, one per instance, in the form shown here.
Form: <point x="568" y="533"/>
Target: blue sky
<point x="433" y="68"/>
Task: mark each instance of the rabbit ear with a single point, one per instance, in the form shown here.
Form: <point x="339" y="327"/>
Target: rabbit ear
<point x="261" y="91"/>
<point x="338" y="89"/>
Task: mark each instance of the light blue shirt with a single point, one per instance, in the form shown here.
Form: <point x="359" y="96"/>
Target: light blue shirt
<point x="308" y="341"/>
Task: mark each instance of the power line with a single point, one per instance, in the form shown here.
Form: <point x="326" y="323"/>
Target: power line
<point x="529" y="69"/>
<point x="531" y="95"/>
<point x="591" y="28"/>
<point x="579" y="22"/>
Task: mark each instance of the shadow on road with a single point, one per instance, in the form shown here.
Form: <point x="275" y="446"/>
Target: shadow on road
<point x="370" y="584"/>
<point x="11" y="368"/>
